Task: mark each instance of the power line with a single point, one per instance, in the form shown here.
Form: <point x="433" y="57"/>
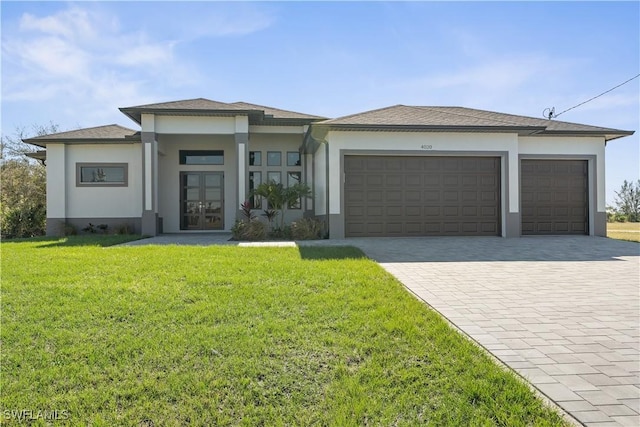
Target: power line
<point x="550" y="113"/>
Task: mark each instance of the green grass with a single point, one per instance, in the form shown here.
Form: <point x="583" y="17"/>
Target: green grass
<point x="236" y="336"/>
<point x="624" y="231"/>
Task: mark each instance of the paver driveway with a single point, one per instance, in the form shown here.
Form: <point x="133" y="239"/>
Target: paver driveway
<point x="564" y="312"/>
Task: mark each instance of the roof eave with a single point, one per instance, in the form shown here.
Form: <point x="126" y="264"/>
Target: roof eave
<point x="609" y="134"/>
<point x="521" y="130"/>
<point x="43" y="142"/>
<point x="135" y="114"/>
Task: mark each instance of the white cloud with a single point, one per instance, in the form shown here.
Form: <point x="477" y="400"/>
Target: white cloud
<point x="146" y="54"/>
<point x="70" y="23"/>
<point x="86" y="59"/>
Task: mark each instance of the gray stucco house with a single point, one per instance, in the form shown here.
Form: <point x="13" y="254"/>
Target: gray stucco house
<point x="396" y="171"/>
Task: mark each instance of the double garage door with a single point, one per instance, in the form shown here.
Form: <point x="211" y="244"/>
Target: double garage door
<point x="421" y="196"/>
<point x="458" y="196"/>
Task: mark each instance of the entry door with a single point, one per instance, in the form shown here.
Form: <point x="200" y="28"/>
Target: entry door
<point x="201" y="201"/>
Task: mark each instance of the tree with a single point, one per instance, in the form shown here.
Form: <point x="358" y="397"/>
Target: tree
<point x="23" y="201"/>
<point x="281" y="198"/>
<point x="628" y="200"/>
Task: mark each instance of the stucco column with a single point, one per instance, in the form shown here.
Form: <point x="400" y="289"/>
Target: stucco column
<point x="242" y="147"/>
<point x="242" y="157"/>
<point x="149" y="184"/>
<point x="56" y="188"/>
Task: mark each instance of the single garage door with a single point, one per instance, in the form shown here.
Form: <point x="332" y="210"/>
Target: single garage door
<point x="421" y="196"/>
<point x="554" y="197"/>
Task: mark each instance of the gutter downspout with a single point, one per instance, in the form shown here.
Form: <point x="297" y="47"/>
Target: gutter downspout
<point x="326" y="155"/>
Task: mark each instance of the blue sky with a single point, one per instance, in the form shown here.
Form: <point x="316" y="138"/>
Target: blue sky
<point x="75" y="63"/>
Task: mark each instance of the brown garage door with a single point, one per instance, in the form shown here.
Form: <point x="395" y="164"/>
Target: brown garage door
<point x="421" y="196"/>
<point x="554" y="197"/>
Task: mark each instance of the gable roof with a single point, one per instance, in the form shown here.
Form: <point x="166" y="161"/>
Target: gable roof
<point x="404" y="117"/>
<point x="258" y="114"/>
<point x="107" y="133"/>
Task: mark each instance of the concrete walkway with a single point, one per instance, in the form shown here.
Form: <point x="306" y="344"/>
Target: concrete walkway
<point x="563" y="312"/>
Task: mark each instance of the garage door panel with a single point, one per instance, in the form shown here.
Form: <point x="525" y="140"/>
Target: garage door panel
<point x="452" y="196"/>
<point x="554" y="196"/>
<point x="429" y="180"/>
<point x="374" y="196"/>
<point x="489" y="196"/>
<point x="393" y="164"/>
<point x="489" y="227"/>
<point x="432" y="211"/>
<point x="451" y="181"/>
<point x="412" y="196"/>
<point x="450" y="211"/>
<point x="470" y="211"/>
<point x="394" y="211"/>
<point x="413" y="228"/>
<point x="412" y="181"/>
<point x="374" y="181"/>
<point x="431" y="196"/>
<point x="393" y="181"/>
<point x="413" y="164"/>
<point x="469" y="196"/>
<point x="413" y="211"/>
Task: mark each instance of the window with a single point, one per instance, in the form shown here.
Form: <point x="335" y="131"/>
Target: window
<point x="102" y="174"/>
<point x="274" y="176"/>
<point x="255" y="158"/>
<point x="293" y="158"/>
<point x="201" y="157"/>
<point x="274" y="158"/>
<point x="293" y="178"/>
<point x="255" y="179"/>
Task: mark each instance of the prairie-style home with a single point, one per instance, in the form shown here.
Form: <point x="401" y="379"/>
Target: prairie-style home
<point x="186" y="167"/>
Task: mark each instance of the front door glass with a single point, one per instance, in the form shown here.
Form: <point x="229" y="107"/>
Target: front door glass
<point x="201" y="201"/>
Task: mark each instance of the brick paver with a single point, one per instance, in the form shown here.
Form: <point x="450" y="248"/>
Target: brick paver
<point x="563" y="312"/>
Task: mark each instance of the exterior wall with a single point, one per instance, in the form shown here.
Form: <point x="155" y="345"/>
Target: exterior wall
<point x="509" y="147"/>
<point x="195" y="125"/>
<point x="320" y="180"/>
<point x="342" y="143"/>
<point x="68" y="203"/>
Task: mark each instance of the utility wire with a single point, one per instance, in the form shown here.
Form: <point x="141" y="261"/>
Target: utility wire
<point x="550" y="113"/>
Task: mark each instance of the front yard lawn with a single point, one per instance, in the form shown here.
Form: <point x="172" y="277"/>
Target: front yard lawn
<point x="624" y="231"/>
<point x="175" y="335"/>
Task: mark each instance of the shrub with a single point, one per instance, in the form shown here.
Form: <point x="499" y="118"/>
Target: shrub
<point x="306" y="229"/>
<point x="248" y="230"/>
<point x="122" y="229"/>
<point x="24" y="221"/>
<point x="69" y="229"/>
<point x="283" y="233"/>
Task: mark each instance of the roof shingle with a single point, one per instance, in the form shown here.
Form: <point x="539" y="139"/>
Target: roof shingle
<point x="460" y="117"/>
<point x="108" y="132"/>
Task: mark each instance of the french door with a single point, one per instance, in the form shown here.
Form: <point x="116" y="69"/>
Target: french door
<point x="201" y="201"/>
